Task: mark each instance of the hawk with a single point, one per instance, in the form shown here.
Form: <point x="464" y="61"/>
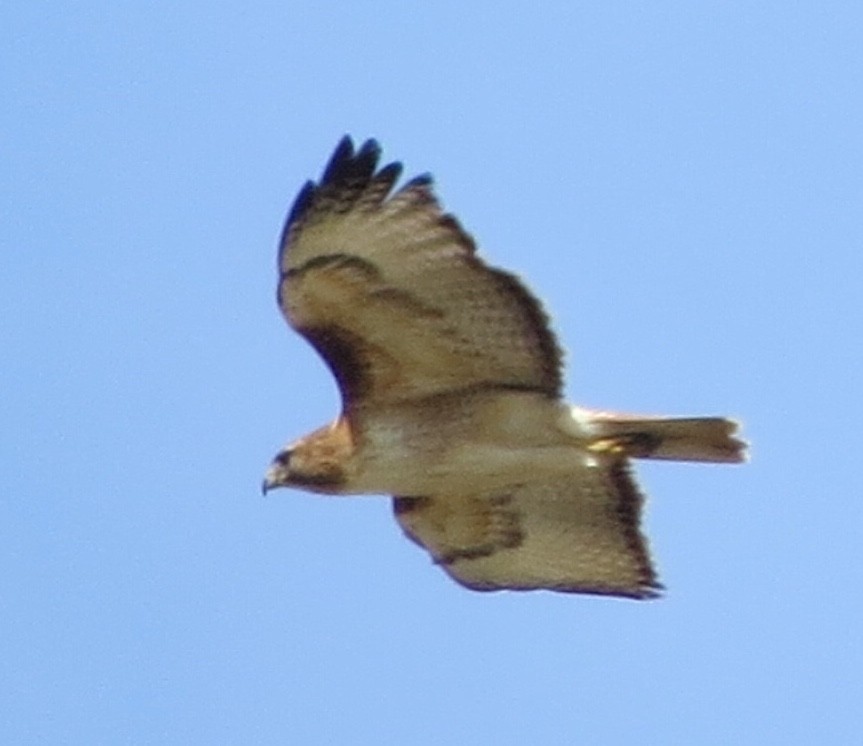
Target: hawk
<point x="451" y="386"/>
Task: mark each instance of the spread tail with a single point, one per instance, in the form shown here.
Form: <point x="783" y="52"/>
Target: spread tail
<point x="710" y="439"/>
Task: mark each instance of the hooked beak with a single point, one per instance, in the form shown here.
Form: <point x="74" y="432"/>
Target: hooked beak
<point x="277" y="474"/>
<point x="270" y="481"/>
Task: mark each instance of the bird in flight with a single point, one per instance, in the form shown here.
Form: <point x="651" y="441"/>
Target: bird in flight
<point x="451" y="387"/>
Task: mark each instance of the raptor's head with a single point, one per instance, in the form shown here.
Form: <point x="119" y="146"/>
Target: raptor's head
<point x="315" y="463"/>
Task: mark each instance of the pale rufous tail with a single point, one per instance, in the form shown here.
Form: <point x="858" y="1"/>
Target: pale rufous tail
<point x="708" y="439"/>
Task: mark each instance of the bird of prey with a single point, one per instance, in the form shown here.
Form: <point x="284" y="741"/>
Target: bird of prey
<point x="451" y="387"/>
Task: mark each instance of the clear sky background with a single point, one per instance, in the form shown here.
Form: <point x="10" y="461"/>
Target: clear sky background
<point x="681" y="183"/>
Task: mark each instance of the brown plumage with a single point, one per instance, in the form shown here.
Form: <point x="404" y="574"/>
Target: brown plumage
<point x="451" y="386"/>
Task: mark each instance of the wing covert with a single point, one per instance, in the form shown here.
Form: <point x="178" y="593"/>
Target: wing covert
<point x="389" y="290"/>
<point x="580" y="536"/>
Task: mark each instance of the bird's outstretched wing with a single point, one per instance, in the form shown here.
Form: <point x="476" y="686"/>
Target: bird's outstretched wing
<point x="390" y="292"/>
<point x="581" y="535"/>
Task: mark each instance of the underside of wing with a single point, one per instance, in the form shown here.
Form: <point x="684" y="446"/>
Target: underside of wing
<point x="390" y="291"/>
<point x="580" y="536"/>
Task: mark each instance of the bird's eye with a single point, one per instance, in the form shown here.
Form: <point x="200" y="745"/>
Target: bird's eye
<point x="283" y="458"/>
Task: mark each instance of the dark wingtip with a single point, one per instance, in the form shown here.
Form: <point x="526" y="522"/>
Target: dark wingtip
<point x="419" y="182"/>
<point x="349" y="174"/>
<point x="389" y="174"/>
<point x="369" y="150"/>
<point x="339" y="163"/>
<point x="343" y="153"/>
<point x="301" y="204"/>
<point x="346" y="163"/>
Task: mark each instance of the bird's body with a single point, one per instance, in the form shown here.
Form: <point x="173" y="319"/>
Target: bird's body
<point x="451" y="386"/>
<point x="412" y="449"/>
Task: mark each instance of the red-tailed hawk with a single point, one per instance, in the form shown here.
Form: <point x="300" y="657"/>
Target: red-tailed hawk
<point x="451" y="388"/>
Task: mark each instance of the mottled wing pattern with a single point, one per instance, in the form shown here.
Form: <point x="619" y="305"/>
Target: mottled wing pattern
<point x="389" y="290"/>
<point x="581" y="535"/>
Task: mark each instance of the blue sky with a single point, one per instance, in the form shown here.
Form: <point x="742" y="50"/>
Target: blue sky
<point x="681" y="183"/>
